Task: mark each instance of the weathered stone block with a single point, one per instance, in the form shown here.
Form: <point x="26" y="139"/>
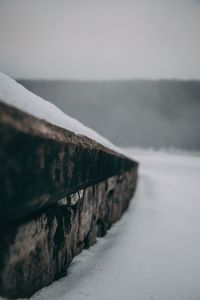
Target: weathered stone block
<point x="38" y="250"/>
<point x="42" y="163"/>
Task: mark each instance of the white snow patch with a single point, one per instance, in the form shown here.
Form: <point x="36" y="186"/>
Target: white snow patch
<point x="154" y="251"/>
<point x="14" y="94"/>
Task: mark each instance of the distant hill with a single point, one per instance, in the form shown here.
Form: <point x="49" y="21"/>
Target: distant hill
<point x="140" y="113"/>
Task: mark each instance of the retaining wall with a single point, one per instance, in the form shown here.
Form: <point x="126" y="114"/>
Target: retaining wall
<point x="58" y="192"/>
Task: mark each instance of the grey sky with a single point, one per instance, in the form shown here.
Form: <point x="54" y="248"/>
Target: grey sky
<point x="100" y="39"/>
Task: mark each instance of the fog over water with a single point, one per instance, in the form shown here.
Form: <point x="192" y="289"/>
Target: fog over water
<point x="111" y="44"/>
<point x="138" y="113"/>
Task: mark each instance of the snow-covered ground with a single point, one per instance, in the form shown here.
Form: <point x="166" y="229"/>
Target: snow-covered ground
<point x="154" y="251"/>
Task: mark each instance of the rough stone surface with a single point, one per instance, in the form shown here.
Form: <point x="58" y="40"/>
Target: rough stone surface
<point x="42" y="163"/>
<point x="38" y="249"/>
<point x="58" y="192"/>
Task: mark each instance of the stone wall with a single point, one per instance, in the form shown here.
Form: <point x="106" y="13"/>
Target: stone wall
<point x="59" y="191"/>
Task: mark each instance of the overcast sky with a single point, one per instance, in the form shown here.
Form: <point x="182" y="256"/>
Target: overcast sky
<point x="100" y="39"/>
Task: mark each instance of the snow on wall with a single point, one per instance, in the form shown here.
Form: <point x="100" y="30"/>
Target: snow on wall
<point x="14" y="94"/>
